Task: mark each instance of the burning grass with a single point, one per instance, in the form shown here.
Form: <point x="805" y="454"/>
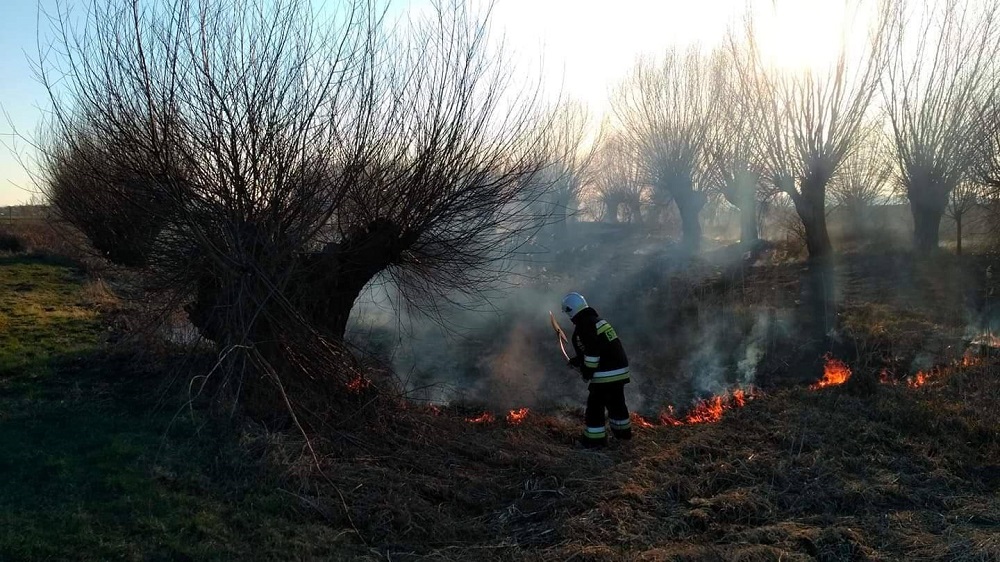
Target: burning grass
<point x="709" y="410"/>
<point x="517" y="416"/>
<point x="485" y="417"/>
<point x="835" y="372"/>
<point x="900" y="474"/>
<point x="795" y="475"/>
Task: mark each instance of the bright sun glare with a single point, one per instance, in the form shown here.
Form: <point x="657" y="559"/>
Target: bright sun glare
<point x="588" y="46"/>
<point x="803" y="35"/>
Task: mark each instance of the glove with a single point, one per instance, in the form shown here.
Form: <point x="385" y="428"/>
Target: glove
<point x="575" y="362"/>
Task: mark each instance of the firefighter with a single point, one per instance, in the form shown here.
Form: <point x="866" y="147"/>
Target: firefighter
<point x="602" y="363"/>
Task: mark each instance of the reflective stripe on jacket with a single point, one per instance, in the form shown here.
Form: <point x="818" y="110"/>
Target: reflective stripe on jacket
<point x="594" y="340"/>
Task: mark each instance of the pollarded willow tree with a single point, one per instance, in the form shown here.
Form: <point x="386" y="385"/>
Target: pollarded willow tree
<point x="938" y="76"/>
<point x="280" y="162"/>
<point x="985" y="169"/>
<point x="863" y="181"/>
<point x="812" y="120"/>
<point x="571" y="141"/>
<point x="617" y="179"/>
<point x="962" y="200"/>
<point x="665" y="106"/>
<point x="733" y="155"/>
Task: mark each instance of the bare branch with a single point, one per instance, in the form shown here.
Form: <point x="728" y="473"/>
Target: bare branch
<point x="935" y="82"/>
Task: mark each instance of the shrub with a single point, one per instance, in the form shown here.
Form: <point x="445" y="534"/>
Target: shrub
<point x="11" y="243"/>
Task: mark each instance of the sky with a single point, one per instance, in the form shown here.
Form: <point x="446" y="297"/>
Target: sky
<point x="21" y="97"/>
<point x="582" y="48"/>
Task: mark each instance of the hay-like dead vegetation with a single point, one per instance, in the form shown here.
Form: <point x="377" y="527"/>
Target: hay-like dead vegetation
<point x="796" y="475"/>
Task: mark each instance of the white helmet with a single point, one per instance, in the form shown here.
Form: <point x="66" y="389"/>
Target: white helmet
<point x="573" y="303"/>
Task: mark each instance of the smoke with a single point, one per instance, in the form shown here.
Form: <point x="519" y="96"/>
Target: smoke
<point x="683" y="343"/>
<point x="506" y="356"/>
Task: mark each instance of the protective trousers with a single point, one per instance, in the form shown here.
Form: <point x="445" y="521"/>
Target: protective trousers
<point x="608" y="396"/>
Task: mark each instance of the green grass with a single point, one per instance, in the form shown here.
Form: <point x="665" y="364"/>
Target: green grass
<point x="92" y="469"/>
<point x="43" y="315"/>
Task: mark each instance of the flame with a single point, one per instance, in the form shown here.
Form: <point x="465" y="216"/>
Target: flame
<point x="885" y="378"/>
<point x="640" y="421"/>
<point x="667" y="417"/>
<point x="709" y="410"/>
<point x="917" y="380"/>
<point x="485" y="417"/>
<point x="969" y="359"/>
<point x="706" y="411"/>
<point x="357" y="384"/>
<point x="434" y="410"/>
<point x="515" y="417"/>
<point x="834" y="372"/>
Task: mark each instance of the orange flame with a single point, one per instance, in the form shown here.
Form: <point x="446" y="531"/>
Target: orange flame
<point x="515" y="417"/>
<point x="969" y="359"/>
<point x="917" y="380"/>
<point x="667" y="417"/>
<point x="706" y="411"/>
<point x="709" y="410"/>
<point x="640" y="421"/>
<point x="885" y="378"/>
<point x="485" y="417"/>
<point x="834" y="372"/>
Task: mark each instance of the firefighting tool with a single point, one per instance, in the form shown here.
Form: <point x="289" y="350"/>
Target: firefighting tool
<point x="560" y="335"/>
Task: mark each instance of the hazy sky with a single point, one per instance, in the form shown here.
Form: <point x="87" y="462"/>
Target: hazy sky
<point x="586" y="47"/>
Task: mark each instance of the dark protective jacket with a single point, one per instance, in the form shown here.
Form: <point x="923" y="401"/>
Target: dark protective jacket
<point x="600" y="352"/>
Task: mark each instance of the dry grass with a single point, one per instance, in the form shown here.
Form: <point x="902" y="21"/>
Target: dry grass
<point x="863" y="471"/>
<point x="53" y="239"/>
<point x="883" y="472"/>
<point x="98" y="294"/>
<point x="798" y="475"/>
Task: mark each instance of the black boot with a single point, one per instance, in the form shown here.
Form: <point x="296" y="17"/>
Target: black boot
<point x="590" y="443"/>
<point x="622" y="434"/>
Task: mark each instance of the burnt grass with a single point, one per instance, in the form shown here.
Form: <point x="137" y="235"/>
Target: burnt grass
<point x="103" y="465"/>
<point x="862" y="471"/>
<point x="797" y="475"/>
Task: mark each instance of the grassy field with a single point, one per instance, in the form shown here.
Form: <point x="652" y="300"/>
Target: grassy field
<point x="96" y="465"/>
<point x="100" y="462"/>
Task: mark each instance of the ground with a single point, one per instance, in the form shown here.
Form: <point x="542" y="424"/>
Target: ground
<point x="96" y="465"/>
<point x="102" y="460"/>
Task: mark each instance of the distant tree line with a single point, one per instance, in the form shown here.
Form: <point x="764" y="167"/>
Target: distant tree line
<point x="912" y="112"/>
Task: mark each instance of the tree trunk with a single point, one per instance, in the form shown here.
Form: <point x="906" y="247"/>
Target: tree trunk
<point x="342" y="271"/>
<point x="749" y="232"/>
<point x="928" y="202"/>
<point x="958" y="233"/>
<point x="611" y="210"/>
<point x="689" y="207"/>
<point x="635" y="211"/>
<point x="811" y="208"/>
<point x="324" y="288"/>
<point x="559" y="222"/>
<point x="741" y="192"/>
<point x="926" y="226"/>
